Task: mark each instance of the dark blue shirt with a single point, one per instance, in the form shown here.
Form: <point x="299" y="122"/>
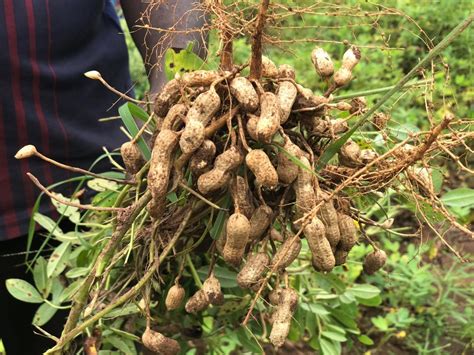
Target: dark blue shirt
<point x="45" y="100"/>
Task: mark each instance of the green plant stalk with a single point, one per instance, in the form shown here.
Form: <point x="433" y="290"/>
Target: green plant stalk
<point x="68" y="336"/>
<point x="334" y="147"/>
<point x="83" y="292"/>
<point x="379" y="90"/>
<point x="194" y="273"/>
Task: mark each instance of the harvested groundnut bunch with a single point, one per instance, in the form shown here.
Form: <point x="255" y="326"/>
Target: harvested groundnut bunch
<point x="260" y="221"/>
<point x="328" y="215"/>
<point x="201" y="161"/>
<point x="269" y="121"/>
<point x="241" y="195"/>
<point x="374" y="261"/>
<point x="237" y="231"/>
<point x="175" y="297"/>
<point x="212" y="288"/>
<point x="304" y="189"/>
<point x="132" y="157"/>
<point x="286" y="71"/>
<point x="269" y="69"/>
<point x="198" y="116"/>
<point x="261" y="166"/>
<point x="197" y="302"/>
<point x="349" y="155"/>
<point x="286" y="97"/>
<point x="168" y="96"/>
<point x="159" y="344"/>
<point x="219" y="176"/>
<point x="282" y="316"/>
<point x="348" y="232"/>
<point x="351" y="58"/>
<point x="287" y="170"/>
<point x="241" y="88"/>
<point x="160" y="163"/>
<point x="176" y="113"/>
<point x="287" y="253"/>
<point x="251" y="126"/>
<point x="322" y="62"/>
<point x="323" y="258"/>
<point x="253" y="270"/>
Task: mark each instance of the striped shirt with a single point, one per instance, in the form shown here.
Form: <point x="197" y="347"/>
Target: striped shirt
<point x="45" y="100"/>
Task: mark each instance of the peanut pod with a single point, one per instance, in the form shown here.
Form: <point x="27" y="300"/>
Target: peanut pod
<point x="253" y="270"/>
<point x="261" y="166"/>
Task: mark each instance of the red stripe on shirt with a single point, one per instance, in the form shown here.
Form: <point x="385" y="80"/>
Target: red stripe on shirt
<point x="55" y="96"/>
<point x="35" y="84"/>
<point x="17" y="98"/>
<point x="6" y="201"/>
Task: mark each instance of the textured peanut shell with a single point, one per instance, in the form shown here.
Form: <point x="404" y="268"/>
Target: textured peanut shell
<point x="374" y="261"/>
<point x="251" y="126"/>
<point x="328" y="215"/>
<point x="132" y="157"/>
<point x="253" y="270"/>
<point x="304" y="189"/>
<point x="219" y="176"/>
<point x="286" y="71"/>
<point x="168" y="96"/>
<point x="198" y="116"/>
<point x="269" y="120"/>
<point x="157" y="206"/>
<point x="261" y="166"/>
<point x="306" y="98"/>
<point x="269" y="69"/>
<point x="282" y="316"/>
<point x="241" y="88"/>
<point x="340" y="256"/>
<point x="212" y="288"/>
<point x="275" y="235"/>
<point x="323" y="258"/>
<point x="197" y="303"/>
<point x="241" y="195"/>
<point x="237" y="231"/>
<point x="199" y="78"/>
<point x="159" y="344"/>
<point x="260" y="221"/>
<point x="351" y="58"/>
<point x="342" y="77"/>
<point x="202" y="159"/>
<point x="322" y="62"/>
<point x="286" y="96"/>
<point x="348" y="232"/>
<point x="177" y="112"/>
<point x="288" y="252"/>
<point x="274" y="296"/>
<point x="349" y="155"/>
<point x="287" y="170"/>
<point x="175" y="297"/>
<point x="160" y="163"/>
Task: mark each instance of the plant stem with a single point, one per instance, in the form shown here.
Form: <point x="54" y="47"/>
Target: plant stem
<point x="379" y="90"/>
<point x="256" y="59"/>
<point x="334" y="147"/>
<point x="196" y="278"/>
<point x="68" y="336"/>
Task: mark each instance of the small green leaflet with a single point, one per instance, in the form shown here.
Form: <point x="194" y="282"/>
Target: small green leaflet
<point x="183" y="61"/>
<point x="128" y="112"/>
<point x="44" y="314"/>
<point x="57" y="260"/>
<point x="39" y="276"/>
<point x="23" y="291"/>
<point x="226" y="277"/>
<point x="460" y="197"/>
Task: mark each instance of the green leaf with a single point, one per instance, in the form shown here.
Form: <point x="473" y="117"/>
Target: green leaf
<point x="315" y="308"/>
<point x="77" y="272"/>
<point x="183" y="61"/>
<point x="68" y="211"/>
<point x="365" y="291"/>
<point x="128" y="119"/>
<point x="40" y="277"/>
<point x="100" y="185"/>
<point x="334" y="336"/>
<point x="380" y="323"/>
<point x="328" y="347"/>
<point x="347" y="297"/>
<point x="460" y="197"/>
<point x="127" y="310"/>
<point x="364" y="339"/>
<point x="57" y="260"/>
<point x="23" y="291"/>
<point x="370" y="302"/>
<point x="44" y="314"/>
<point x="124" y="345"/>
<point x="402" y="131"/>
<point x="48" y="224"/>
<point x="68" y="293"/>
<point x="247" y="340"/>
<point x="226" y="277"/>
